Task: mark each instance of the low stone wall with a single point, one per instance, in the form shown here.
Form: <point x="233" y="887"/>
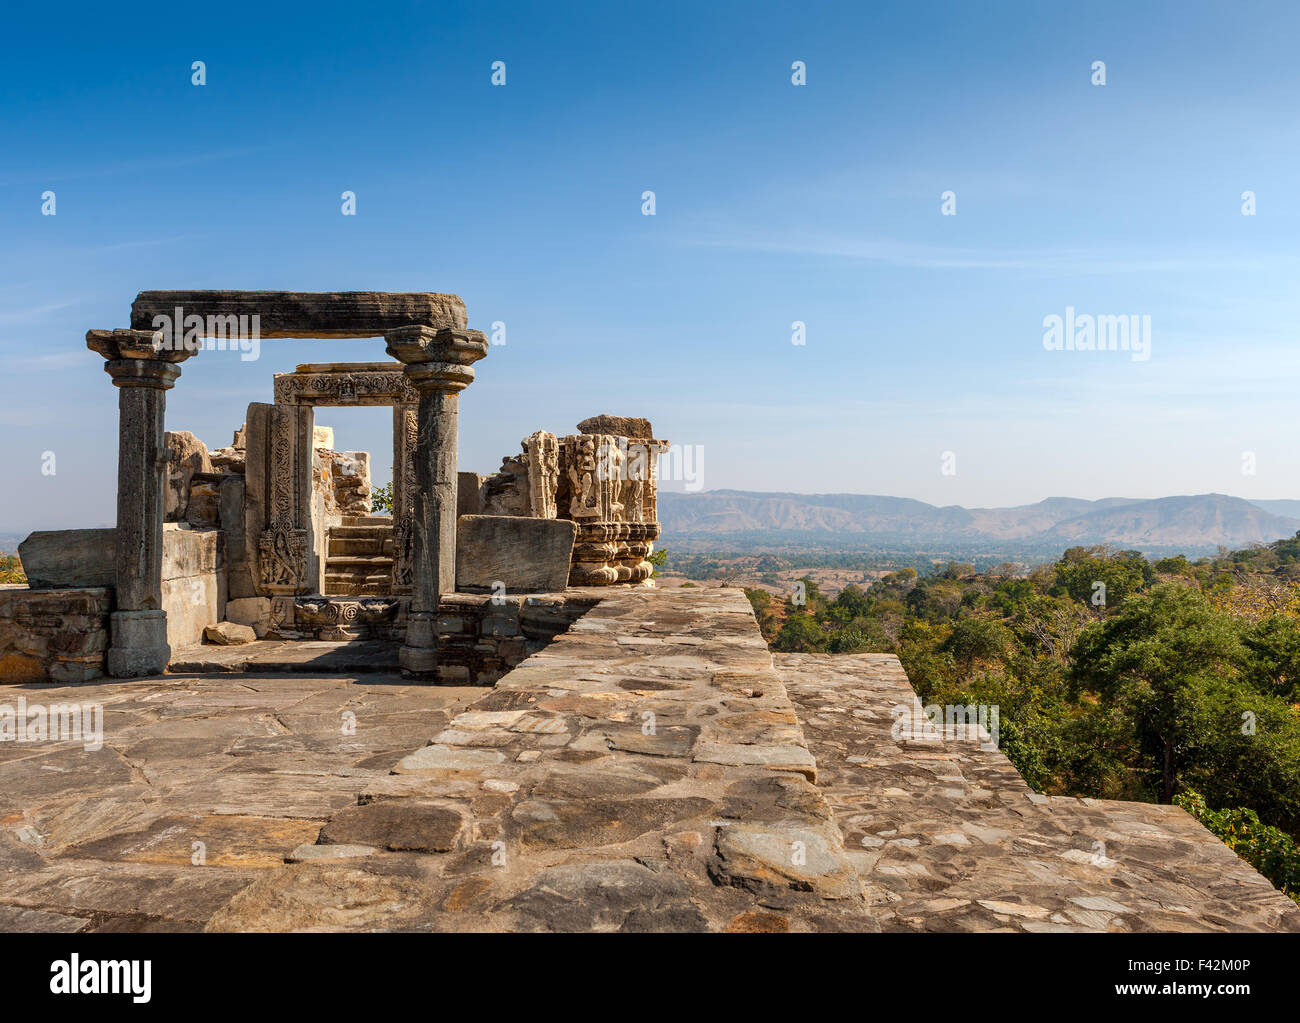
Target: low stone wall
<point x="481" y="637"/>
<point x="53" y="635"/>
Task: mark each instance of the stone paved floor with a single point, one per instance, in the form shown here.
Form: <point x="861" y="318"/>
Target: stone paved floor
<point x="646" y="771"/>
<point x="248" y="767"/>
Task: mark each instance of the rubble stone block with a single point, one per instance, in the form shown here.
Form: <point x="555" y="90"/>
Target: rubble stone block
<point x="186" y="455"/>
<point x="618" y="426"/>
<point x="524" y="554"/>
<point x="229" y="634"/>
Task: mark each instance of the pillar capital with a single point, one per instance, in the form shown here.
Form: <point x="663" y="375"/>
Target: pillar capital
<point x="157" y="376"/>
<point x="437" y="360"/>
<point x="137" y="358"/>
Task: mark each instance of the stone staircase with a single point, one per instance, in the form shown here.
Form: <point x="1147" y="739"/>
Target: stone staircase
<point x="359" y="556"/>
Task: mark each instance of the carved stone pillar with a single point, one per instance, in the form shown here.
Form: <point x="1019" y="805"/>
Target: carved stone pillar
<point x="609" y="487"/>
<point x="143" y="374"/>
<point x="439" y="366"/>
<point x="405" y="439"/>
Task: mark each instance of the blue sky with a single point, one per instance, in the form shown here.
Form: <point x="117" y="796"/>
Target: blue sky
<point x="774" y="203"/>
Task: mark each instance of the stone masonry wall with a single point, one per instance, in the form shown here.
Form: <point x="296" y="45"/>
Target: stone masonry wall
<point x="479" y="640"/>
<point x="480" y="636"/>
<point x="53" y="635"/>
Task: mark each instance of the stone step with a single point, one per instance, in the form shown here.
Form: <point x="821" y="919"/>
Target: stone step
<point x="355" y="586"/>
<point x="360" y="531"/>
<point x="372" y="561"/>
<point x="295" y="656"/>
<point x="344" y="545"/>
<point x="350" y="521"/>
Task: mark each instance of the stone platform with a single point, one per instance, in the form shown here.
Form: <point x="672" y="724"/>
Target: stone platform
<point x="947" y="836"/>
<point x="649" y="769"/>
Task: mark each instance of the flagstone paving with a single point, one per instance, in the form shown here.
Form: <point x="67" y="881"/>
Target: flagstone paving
<point x="650" y="769"/>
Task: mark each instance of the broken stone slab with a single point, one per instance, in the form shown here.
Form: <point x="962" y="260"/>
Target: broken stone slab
<point x="304" y="314"/>
<point x="67" y="558"/>
<point x="229" y="634"/>
<point x="780" y="758"/>
<point x="324" y="896"/>
<point x="523" y="554"/>
<point x="328" y="853"/>
<point x="618" y="426"/>
<point x="757" y="857"/>
<point x="403" y="825"/>
<point x="620" y="895"/>
<point x="445" y="758"/>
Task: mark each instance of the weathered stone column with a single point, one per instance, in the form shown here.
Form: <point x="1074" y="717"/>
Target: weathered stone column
<point x="439" y="366"/>
<point x="138" y="643"/>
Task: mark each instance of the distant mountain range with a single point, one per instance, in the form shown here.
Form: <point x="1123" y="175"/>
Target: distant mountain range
<point x="1196" y="524"/>
<point x="1193" y="525"/>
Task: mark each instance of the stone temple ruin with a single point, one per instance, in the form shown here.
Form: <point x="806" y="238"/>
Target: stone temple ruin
<point x="275" y="532"/>
<point x="595" y="753"/>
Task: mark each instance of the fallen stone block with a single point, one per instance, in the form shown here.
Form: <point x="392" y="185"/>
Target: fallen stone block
<point x="229" y="634"/>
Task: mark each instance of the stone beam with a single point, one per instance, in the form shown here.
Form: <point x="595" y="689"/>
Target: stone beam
<point x="327" y="314"/>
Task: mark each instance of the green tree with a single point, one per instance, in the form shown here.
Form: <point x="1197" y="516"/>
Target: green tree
<point x="1159" y="658"/>
<point x="801" y="635"/>
<point x="977" y="639"/>
<point x="1273" y="656"/>
<point x="1121" y="573"/>
<point x="659" y="559"/>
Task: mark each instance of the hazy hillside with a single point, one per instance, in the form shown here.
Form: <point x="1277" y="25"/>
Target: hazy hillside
<point x="1197" y="523"/>
<point x="1291" y="509"/>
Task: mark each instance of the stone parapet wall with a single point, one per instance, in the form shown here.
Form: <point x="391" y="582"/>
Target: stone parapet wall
<point x="53" y="635"/>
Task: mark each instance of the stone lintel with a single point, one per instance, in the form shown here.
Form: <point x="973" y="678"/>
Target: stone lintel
<point x="345" y="383"/>
<point x="307" y="314"/>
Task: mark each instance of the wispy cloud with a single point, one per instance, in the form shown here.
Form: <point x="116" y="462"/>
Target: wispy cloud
<point x="35" y="313"/>
<point x="921" y="256"/>
<point x="136" y="167"/>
